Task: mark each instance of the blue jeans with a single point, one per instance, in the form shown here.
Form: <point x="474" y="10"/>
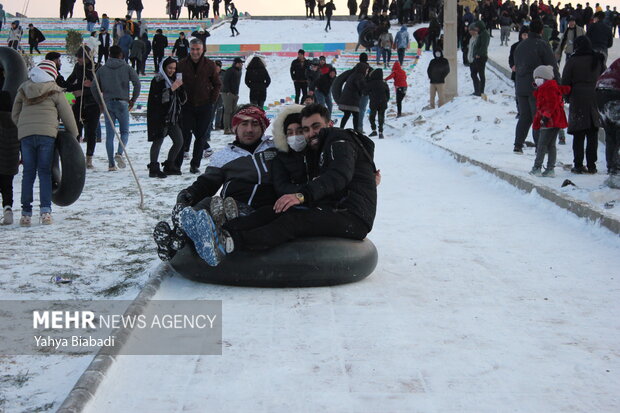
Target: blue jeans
<point x="363" y="106"/>
<point x="37" y="156"/>
<point x="90" y="26"/>
<point x="325" y="100"/>
<point x="119" y="111"/>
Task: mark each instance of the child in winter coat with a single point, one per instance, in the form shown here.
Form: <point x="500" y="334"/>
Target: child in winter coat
<point x="400" y="84"/>
<point x="38" y="105"/>
<point x="379" y="94"/>
<point x="549" y="118"/>
<point x="438" y="70"/>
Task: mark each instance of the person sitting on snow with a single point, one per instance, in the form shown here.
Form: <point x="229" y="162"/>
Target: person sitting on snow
<point x="242" y="170"/>
<point x="339" y="199"/>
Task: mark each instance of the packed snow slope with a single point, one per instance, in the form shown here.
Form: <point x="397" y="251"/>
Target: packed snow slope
<point x="484" y="299"/>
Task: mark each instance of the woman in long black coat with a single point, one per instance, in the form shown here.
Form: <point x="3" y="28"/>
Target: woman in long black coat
<point x="349" y="100"/>
<point x="163" y="117"/>
<point x="581" y="72"/>
<point x="258" y="80"/>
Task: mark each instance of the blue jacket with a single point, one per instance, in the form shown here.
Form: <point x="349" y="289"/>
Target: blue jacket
<point x="402" y="38"/>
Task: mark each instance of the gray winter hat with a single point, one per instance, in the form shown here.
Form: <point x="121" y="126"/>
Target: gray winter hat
<point x="544" y="72"/>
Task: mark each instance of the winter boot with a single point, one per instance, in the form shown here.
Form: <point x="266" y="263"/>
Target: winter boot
<point x="7" y="216"/>
<point x="200" y="228"/>
<point x="381" y="135"/>
<point x="373" y="133"/>
<point x="535" y="171"/>
<point x="549" y="173"/>
<point x="161" y="235"/>
<point x="177" y="238"/>
<point x="154" y="171"/>
<point x="46" y="218"/>
<point x="168" y="170"/>
<point x="89" y="162"/>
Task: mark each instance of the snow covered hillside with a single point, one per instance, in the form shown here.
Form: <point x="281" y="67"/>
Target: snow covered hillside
<point x="485" y="298"/>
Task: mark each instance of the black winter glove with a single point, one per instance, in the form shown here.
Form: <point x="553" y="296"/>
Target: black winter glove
<point x="544" y="121"/>
<point x="184" y="198"/>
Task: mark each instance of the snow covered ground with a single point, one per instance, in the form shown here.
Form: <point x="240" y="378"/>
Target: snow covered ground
<point x="479" y="302"/>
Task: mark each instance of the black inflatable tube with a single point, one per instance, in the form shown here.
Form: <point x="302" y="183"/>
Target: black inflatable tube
<point x="15" y="71"/>
<point x="308" y="262"/>
<point x="368" y="38"/>
<point x="68" y="170"/>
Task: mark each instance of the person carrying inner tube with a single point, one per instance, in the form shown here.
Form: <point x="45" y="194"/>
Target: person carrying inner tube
<point x="243" y="172"/>
<point x="38" y="105"/>
<point x="340" y="201"/>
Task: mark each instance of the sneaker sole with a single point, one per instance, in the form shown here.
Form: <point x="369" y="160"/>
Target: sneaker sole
<point x="120" y="161"/>
<point x="216" y="207"/>
<point x="231" y="209"/>
<point x="200" y="228"/>
<point x="161" y="235"/>
<point x="177" y="239"/>
<point x="176" y="211"/>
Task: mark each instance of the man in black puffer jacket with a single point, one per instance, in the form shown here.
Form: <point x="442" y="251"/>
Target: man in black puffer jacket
<point x="340" y="201"/>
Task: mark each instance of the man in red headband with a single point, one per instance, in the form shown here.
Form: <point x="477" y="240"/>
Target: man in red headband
<point x="242" y="169"/>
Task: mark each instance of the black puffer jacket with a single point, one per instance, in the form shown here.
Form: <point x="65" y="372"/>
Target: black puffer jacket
<point x="298" y="70"/>
<point x="438" y="68"/>
<point x="232" y="80"/>
<point x="292" y="171"/>
<point x="378" y="90"/>
<point x="353" y="89"/>
<point x="345" y="176"/>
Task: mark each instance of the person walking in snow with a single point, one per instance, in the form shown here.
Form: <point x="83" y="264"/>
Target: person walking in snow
<point x="136" y="54"/>
<point x="608" y="101"/>
<point x="379" y="94"/>
<point x="92" y="18"/>
<point x="39" y="103"/>
<point x="401" y="41"/>
<point x="34" y="38"/>
<point x="135" y="5"/>
<point x="15" y="35"/>
<point x="329" y="12"/>
<point x="163" y="117"/>
<point x="349" y="101"/>
<point x="322" y="92"/>
<point x="400" y="84"/>
<point x="257" y="80"/>
<point x="104" y="45"/>
<point x="114" y="78"/>
<point x="160" y="42"/>
<point x="234" y="21"/>
<point x="230" y="92"/>
<point x="180" y="48"/>
<point x="549" y="118"/>
<point x="438" y="70"/>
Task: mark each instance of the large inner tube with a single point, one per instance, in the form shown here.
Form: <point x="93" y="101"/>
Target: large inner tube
<point x="68" y="170"/>
<point x="368" y="37"/>
<point x="305" y="262"/>
<point x="339" y="84"/>
<point x="15" y="71"/>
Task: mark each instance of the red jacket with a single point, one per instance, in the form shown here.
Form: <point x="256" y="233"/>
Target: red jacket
<point x="549" y="104"/>
<point x="610" y="79"/>
<point x="399" y="76"/>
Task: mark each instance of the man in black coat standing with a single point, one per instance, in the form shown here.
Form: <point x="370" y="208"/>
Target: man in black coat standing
<point x="104" y="45"/>
<point x="34" y="38"/>
<point x="600" y="35"/>
<point x="230" y="93"/>
<point x="531" y="53"/>
<point x="298" y="74"/>
<point x="160" y="42"/>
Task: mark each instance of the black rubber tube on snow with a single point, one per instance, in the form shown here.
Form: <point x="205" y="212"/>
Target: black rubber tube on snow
<point x="339" y="84"/>
<point x="307" y="262"/>
<point x="68" y="170"/>
<point x="15" y="70"/>
<point x="367" y="37"/>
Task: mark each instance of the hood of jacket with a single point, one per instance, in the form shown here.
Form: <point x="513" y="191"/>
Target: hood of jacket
<point x="279" y="135"/>
<point x="37" y="92"/>
<point x="480" y="26"/>
<point x="403" y="28"/>
<point x="396" y="67"/>
<point x="376" y="74"/>
<point x="114" y="63"/>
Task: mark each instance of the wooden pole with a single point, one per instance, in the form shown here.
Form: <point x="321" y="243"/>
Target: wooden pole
<point x="450" y="47"/>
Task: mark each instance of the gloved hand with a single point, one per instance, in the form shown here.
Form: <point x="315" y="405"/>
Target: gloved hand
<point x="184" y="198"/>
<point x="544" y="121"/>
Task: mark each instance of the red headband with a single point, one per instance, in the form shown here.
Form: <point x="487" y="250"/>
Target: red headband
<point x="250" y="113"/>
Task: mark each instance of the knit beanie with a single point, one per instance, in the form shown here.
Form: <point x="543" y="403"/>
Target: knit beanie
<point x="544" y="72"/>
<point x="45" y="71"/>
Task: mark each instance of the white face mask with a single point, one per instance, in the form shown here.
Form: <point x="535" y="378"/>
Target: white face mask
<point x="539" y="82"/>
<point x="297" y="143"/>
